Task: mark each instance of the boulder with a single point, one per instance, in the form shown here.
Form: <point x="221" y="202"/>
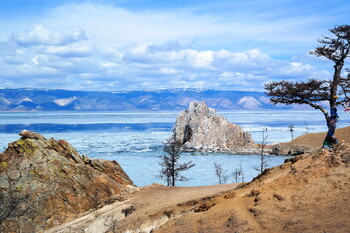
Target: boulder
<point x="285" y="149"/>
<point x="31" y="135"/>
<point x="199" y="129"/>
<point x="44" y="182"/>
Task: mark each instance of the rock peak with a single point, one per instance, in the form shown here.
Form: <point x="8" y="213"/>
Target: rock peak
<point x="31" y="135"/>
<point x="200" y="109"/>
<point x="199" y="129"/>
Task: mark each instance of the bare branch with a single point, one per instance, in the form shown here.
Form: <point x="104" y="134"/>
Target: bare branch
<point x="335" y="49"/>
<point x="288" y="92"/>
<point x="312" y="92"/>
<point x="220" y="173"/>
<point x="170" y="167"/>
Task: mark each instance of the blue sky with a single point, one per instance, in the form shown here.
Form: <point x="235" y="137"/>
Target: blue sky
<point x="135" y="44"/>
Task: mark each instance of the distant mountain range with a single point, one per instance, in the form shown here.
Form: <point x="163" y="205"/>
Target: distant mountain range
<point x="24" y="99"/>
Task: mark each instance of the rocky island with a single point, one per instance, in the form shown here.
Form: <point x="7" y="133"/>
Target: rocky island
<point x="199" y="128"/>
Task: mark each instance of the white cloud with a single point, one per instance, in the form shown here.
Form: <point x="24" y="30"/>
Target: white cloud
<point x="23" y="72"/>
<point x="128" y="49"/>
<point x="108" y="65"/>
<point x="39" y="35"/>
<point x="200" y="59"/>
<point x="71" y="50"/>
<point x="113" y="25"/>
<point x="165" y="70"/>
<point x="148" y="65"/>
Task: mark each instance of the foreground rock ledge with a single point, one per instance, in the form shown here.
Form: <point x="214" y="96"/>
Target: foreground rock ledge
<point x="200" y="129"/>
<point x="44" y="182"/>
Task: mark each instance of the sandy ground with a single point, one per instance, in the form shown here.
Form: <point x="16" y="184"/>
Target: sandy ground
<point x="164" y="196"/>
<point x="154" y="205"/>
<point x="144" y="209"/>
<point x="316" y="139"/>
<point x="309" y="193"/>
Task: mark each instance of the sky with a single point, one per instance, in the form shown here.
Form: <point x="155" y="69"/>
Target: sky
<point x="108" y="45"/>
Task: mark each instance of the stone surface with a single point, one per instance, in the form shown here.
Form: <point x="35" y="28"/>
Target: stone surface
<point x="281" y="149"/>
<point x="31" y="135"/>
<point x="44" y="183"/>
<point x="200" y="129"/>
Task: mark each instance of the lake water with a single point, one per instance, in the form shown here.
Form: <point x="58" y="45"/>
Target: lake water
<point x="135" y="139"/>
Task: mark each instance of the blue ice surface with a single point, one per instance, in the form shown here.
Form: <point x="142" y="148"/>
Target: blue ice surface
<point x="135" y="139"/>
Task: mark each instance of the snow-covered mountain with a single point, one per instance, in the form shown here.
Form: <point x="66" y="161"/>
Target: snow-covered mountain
<point x="65" y="101"/>
<point x="146" y="100"/>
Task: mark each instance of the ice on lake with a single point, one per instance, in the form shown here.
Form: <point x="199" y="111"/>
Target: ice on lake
<point x="135" y="140"/>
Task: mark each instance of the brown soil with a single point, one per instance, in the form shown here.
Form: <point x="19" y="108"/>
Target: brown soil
<point x="309" y="193"/>
<point x="155" y="202"/>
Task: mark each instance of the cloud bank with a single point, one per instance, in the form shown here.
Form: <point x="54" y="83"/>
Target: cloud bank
<point x="87" y="46"/>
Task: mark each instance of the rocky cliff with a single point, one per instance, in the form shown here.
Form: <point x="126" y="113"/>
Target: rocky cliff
<point x="200" y="129"/>
<point x="44" y="182"/>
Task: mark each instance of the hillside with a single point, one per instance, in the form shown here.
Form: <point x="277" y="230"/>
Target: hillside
<point x="316" y="139"/>
<point x="44" y="182"/>
<point x="148" y="100"/>
<point x="308" y="193"/>
<point x="308" y="142"/>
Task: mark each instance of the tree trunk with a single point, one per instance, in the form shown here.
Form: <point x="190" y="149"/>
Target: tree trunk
<point x="173" y="173"/>
<point x="330" y="141"/>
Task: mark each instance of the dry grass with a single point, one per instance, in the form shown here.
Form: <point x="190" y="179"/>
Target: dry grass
<point x="316" y="139"/>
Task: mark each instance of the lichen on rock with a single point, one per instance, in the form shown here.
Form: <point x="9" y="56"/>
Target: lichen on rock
<point x="44" y="183"/>
<point x="32" y="135"/>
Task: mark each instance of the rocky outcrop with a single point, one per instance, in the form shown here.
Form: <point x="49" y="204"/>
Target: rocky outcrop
<point x="285" y="149"/>
<point x="199" y="129"/>
<point x="44" y="182"/>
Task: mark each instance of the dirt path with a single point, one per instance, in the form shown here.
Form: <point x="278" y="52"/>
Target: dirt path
<point x="155" y="205"/>
<point x="156" y="197"/>
<point x="147" y="206"/>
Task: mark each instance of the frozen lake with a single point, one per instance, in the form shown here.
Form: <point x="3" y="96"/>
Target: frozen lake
<point x="135" y="139"/>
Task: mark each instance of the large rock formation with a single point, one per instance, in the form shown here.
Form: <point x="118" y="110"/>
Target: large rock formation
<point x="44" y="182"/>
<point x="200" y="129"/>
